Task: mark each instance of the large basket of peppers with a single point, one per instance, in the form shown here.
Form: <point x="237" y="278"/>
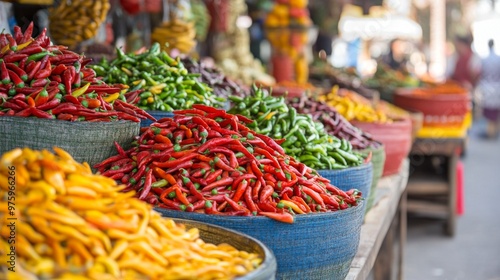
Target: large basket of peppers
<point x="335" y="124"/>
<point x="207" y="165"/>
<point x="48" y="97"/>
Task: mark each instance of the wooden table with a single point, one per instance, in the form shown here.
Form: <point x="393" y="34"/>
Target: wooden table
<point x="385" y="221"/>
<point x="432" y="183"/>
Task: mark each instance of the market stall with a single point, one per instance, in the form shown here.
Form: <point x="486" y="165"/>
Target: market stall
<point x="178" y="152"/>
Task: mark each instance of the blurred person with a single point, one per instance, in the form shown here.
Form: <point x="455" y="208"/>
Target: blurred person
<point x="467" y="64"/>
<point x="396" y="58"/>
<point x="489" y="88"/>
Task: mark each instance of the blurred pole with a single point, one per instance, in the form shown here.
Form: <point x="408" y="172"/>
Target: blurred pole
<point x="438" y="38"/>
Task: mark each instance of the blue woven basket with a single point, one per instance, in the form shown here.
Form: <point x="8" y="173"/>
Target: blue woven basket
<point x="358" y="177"/>
<point x="317" y="246"/>
<point x="378" y="161"/>
<point x="158" y="115"/>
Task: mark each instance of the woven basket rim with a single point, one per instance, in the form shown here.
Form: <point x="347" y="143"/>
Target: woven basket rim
<point x="365" y="165"/>
<point x="298" y="217"/>
<point x="62" y="122"/>
<point x="269" y="257"/>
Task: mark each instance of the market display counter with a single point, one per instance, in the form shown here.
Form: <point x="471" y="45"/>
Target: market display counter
<point x="385" y="221"/>
<point x="432" y="190"/>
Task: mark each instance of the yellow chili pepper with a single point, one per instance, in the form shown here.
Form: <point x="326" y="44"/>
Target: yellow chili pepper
<point x="81" y="90"/>
<point x="112" y="97"/>
<point x="24" y="45"/>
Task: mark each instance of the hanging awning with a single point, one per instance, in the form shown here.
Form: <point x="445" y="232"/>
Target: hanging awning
<point x="379" y="26"/>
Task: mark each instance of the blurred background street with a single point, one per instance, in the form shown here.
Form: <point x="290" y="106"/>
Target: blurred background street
<point x="474" y="252"/>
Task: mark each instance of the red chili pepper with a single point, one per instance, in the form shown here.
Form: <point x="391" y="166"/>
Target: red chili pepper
<point x="20" y="72"/>
<point x="284" y="217"/>
<point x="30" y="101"/>
<point x="235" y="205"/>
<point x="238" y="147"/>
<point x="147" y="184"/>
<point x="244" y="119"/>
<point x="124" y="169"/>
<point x="330" y="200"/>
<point x="185" y="164"/>
<point x="41" y="98"/>
<point x="68" y="78"/>
<point x="24" y="113"/>
<point x="22" y="63"/>
<point x="266" y="193"/>
<point x="286" y="191"/>
<point x="3" y="40"/>
<point x="220" y="164"/>
<point x="172" y="163"/>
<point x="268" y="206"/>
<point x="124" y="116"/>
<point x="34" y="70"/>
<point x="27" y="33"/>
<point x="59" y="69"/>
<point x="256" y="190"/>
<point x="136" y="110"/>
<point x="268" y="155"/>
<point x="39" y="83"/>
<point x="15" y="57"/>
<point x="314" y="195"/>
<point x="64" y="108"/>
<point x="256" y="170"/>
<point x="65" y="117"/>
<point x="44" y="61"/>
<point x="18" y="34"/>
<point x="192" y="188"/>
<point x="12" y="105"/>
<point x="240" y="190"/>
<point x="301" y="203"/>
<point x="134" y="180"/>
<point x="41" y="37"/>
<point x="223" y="182"/>
<point x="4" y="75"/>
<point x="215" y="142"/>
<point x="15" y="78"/>
<point x="248" y="199"/>
<point x="272" y="144"/>
<point x="43" y="73"/>
<point x="213" y="176"/>
<point x="12" y="42"/>
<point x="120" y="150"/>
<point x="169" y="204"/>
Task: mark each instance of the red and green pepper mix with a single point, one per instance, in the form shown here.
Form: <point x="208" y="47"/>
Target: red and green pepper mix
<point x="206" y="160"/>
<point x="48" y="81"/>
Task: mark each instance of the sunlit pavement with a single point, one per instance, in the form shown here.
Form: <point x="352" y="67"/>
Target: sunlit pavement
<point x="474" y="252"/>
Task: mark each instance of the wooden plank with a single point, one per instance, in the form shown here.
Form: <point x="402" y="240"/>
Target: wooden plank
<point x="427" y="187"/>
<point x="437" y="146"/>
<point x="427" y="207"/>
<point x="377" y="223"/>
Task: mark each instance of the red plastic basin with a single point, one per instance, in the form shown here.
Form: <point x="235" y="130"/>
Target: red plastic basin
<point x="438" y="109"/>
<point x="397" y="139"/>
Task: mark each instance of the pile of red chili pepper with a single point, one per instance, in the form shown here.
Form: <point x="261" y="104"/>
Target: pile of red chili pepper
<point x="206" y="160"/>
<point x="49" y="81"/>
